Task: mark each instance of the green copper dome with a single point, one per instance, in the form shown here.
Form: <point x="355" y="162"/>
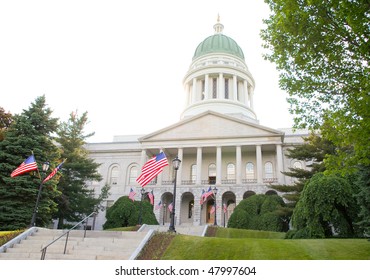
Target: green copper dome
<point x="218" y="43"/>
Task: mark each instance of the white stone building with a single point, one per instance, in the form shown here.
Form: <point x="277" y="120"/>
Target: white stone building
<point x="218" y="139"/>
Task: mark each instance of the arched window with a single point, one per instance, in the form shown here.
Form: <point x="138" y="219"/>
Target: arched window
<point x="212" y="174"/>
<point x="230" y="171"/>
<point x="113" y="178"/>
<point x="249" y="170"/>
<point x="193" y="173"/>
<point x="297" y="165"/>
<point x="269" y="174"/>
<point x="133" y="174"/>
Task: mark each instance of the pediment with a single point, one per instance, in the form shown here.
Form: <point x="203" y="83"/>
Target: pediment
<point x="210" y="125"/>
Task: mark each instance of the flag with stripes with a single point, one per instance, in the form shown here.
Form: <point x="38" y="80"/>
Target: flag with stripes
<point x="52" y="174"/>
<point x="152" y="168"/>
<point x="151" y="197"/>
<point x="132" y="194"/>
<point x="213" y="209"/>
<point x="225" y="208"/>
<point x="159" y="205"/>
<point x="202" y="197"/>
<point x="27" y="166"/>
<point x="208" y="193"/>
<point x="170" y="207"/>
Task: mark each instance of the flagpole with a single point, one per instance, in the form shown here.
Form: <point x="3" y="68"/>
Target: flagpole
<point x="45" y="167"/>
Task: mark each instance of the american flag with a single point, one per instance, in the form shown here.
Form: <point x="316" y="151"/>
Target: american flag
<point x="202" y="197"/>
<point x="159" y="205"/>
<point x="28" y="165"/>
<point x="225" y="208"/>
<point x="152" y="168"/>
<point x="132" y="194"/>
<point x="52" y="174"/>
<point x="213" y="209"/>
<point x="151" y="197"/>
<point x="208" y="193"/>
<point x="170" y="207"/>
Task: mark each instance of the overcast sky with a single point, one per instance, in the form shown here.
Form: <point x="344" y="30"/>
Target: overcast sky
<point x="123" y="61"/>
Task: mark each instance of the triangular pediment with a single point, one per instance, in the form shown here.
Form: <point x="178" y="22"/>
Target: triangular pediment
<point x="210" y="125"/>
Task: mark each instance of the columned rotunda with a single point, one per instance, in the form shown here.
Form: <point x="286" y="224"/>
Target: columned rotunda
<point x="218" y="139"/>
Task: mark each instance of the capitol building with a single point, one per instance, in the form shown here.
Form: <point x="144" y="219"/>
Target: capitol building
<point x="219" y="140"/>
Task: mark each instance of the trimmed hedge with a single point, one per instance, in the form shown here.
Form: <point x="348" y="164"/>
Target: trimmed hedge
<point x="260" y="212"/>
<point x="125" y="213"/>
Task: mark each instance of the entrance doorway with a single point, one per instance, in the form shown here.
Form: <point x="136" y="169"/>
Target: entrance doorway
<point x="210" y="218"/>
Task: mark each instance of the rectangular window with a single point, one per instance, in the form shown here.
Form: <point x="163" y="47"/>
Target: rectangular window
<point x="226" y="88"/>
<point x="214" y="88"/>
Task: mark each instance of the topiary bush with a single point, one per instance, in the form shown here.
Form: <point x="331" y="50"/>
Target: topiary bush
<point x="259" y="212"/>
<point x="125" y="212"/>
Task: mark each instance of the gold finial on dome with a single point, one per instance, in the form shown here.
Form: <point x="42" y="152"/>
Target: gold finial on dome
<point x="218" y="27"/>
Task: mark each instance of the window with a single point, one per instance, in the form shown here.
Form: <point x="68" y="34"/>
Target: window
<point x="114" y="172"/>
<point x="212" y="174"/>
<point x="297" y="165"/>
<point x="193" y="173"/>
<point x="230" y="171"/>
<point x="203" y="88"/>
<point x="268" y="170"/>
<point x="226" y="88"/>
<point x="249" y="170"/>
<point x="133" y="174"/>
<point x="214" y="88"/>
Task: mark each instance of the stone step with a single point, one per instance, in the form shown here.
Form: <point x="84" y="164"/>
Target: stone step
<point x="100" y="245"/>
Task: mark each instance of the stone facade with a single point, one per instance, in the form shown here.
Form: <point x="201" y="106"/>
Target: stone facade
<point x="219" y="141"/>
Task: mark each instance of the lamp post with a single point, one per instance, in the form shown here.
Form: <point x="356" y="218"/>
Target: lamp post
<point x="215" y="193"/>
<point x="176" y="164"/>
<point x="45" y="167"/>
<point x="142" y="191"/>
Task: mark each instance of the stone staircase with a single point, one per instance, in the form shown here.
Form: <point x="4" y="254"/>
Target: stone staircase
<point x="97" y="245"/>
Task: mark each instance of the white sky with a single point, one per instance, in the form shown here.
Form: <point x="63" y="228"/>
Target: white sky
<point x="123" y="61"/>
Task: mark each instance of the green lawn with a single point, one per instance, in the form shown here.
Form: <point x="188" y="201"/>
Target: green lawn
<point x="185" y="247"/>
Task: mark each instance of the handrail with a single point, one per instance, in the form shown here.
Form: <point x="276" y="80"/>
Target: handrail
<point x="43" y="250"/>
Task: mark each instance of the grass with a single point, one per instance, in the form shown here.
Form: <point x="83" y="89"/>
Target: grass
<point x="214" y="248"/>
<point x="238" y="244"/>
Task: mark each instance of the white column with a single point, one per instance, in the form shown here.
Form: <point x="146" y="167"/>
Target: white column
<point x="188" y="99"/>
<point x="279" y="164"/>
<point x="251" y="90"/>
<point x="246" y="94"/>
<point x="221" y="87"/>
<point x="194" y="90"/>
<point x="178" y="184"/>
<point x="143" y="158"/>
<point x="238" y="165"/>
<point x="206" y="87"/>
<point x="218" y="166"/>
<point x="259" y="164"/>
<point x="199" y="166"/>
<point x="235" y="88"/>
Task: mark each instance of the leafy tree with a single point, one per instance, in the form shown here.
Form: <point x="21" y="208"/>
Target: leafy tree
<point x="76" y="199"/>
<point x="260" y="212"/>
<point x="362" y="182"/>
<point x="125" y="212"/>
<point x="321" y="49"/>
<point x="29" y="132"/>
<point x="327" y="206"/>
<point x="5" y="121"/>
<point x="313" y="152"/>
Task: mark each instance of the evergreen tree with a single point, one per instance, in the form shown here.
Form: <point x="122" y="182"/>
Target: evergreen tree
<point x="76" y="199"/>
<point x="29" y="132"/>
<point x="327" y="207"/>
<point x="5" y="121"/>
<point x="313" y="152"/>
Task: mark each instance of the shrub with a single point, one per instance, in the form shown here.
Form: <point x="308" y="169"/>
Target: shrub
<point x="259" y="212"/>
<point x="125" y="212"/>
